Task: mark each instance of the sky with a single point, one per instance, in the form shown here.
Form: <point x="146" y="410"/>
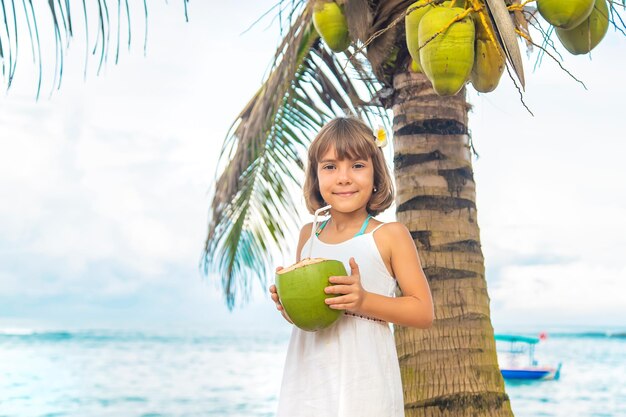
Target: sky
<point x="105" y="183"/>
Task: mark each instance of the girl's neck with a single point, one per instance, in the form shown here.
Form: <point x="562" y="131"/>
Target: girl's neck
<point x="343" y="221"/>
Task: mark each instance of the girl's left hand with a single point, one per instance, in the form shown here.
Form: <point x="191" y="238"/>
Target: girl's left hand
<point x="350" y="287"/>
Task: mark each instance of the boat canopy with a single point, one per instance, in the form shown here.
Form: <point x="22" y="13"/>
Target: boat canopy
<point x="517" y="338"/>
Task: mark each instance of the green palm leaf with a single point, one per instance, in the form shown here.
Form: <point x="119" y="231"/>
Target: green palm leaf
<point x="63" y="17"/>
<point x="253" y="206"/>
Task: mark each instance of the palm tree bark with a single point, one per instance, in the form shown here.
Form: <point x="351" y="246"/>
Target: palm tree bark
<point x="450" y="369"/>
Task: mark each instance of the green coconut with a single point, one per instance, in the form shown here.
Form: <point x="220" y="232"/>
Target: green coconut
<point x="565" y="14"/>
<point x="411" y="23"/>
<point x="489" y="59"/>
<point x="331" y="24"/>
<point x="446" y="55"/>
<point x="586" y="36"/>
<point x="301" y="291"/>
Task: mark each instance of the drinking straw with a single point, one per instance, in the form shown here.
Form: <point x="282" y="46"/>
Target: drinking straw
<point x="317" y="213"/>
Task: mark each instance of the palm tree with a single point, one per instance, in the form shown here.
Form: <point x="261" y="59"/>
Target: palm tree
<point x="65" y="17"/>
<point x="450" y="369"/>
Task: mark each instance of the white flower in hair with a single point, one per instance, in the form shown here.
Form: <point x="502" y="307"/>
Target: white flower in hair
<point x="381" y="137"/>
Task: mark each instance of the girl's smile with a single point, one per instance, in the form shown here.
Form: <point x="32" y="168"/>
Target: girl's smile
<point x="346" y="193"/>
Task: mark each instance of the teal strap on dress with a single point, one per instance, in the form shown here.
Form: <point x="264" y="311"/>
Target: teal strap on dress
<point x="365" y="223"/>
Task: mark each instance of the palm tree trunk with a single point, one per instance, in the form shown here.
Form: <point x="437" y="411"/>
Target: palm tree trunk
<point x="450" y="369"/>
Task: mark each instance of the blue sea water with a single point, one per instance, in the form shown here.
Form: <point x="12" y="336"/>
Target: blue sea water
<point x="237" y="373"/>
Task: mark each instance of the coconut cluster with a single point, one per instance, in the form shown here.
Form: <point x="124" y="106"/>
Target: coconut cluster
<point x="453" y="47"/>
<point x="580" y="25"/>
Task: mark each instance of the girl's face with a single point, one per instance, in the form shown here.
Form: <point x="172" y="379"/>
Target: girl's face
<point x="346" y="185"/>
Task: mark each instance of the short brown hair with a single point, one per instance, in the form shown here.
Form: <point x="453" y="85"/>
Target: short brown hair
<point x="352" y="139"/>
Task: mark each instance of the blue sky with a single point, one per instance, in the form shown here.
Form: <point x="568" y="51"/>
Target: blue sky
<point x="105" y="183"/>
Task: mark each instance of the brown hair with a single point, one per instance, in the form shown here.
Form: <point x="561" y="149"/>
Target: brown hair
<point x="352" y="139"/>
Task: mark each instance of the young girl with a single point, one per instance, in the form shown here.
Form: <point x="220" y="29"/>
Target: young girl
<point x="350" y="369"/>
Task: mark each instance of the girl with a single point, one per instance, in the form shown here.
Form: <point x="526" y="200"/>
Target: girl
<point x="351" y="368"/>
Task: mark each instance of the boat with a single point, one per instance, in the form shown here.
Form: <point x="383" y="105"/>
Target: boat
<point x="516" y="358"/>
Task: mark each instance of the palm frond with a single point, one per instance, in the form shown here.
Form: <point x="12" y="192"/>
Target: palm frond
<point x="505" y="30"/>
<point x="253" y="206"/>
<point x="62" y="13"/>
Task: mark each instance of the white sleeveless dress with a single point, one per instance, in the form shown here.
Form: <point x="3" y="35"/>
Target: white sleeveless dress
<point x="351" y="368"/>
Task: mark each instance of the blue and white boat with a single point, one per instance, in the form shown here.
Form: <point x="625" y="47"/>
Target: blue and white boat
<point x="516" y="357"/>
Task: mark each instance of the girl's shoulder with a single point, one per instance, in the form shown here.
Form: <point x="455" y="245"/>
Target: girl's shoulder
<point x="390" y="229"/>
<point x="391" y="235"/>
<point x="305" y="231"/>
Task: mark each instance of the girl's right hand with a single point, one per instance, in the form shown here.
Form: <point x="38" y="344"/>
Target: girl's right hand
<point x="276" y="299"/>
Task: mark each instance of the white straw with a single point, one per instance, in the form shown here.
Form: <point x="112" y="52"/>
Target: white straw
<point x="317" y="213"/>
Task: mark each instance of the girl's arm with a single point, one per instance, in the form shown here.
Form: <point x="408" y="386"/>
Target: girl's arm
<point x="414" y="308"/>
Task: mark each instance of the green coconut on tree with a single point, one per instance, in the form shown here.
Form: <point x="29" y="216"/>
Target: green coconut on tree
<point x="414" y="15"/>
<point x="581" y="39"/>
<point x="446" y="42"/>
<point x="489" y="60"/>
<point x="564" y="14"/>
<point x="450" y="369"/>
<point x="330" y="23"/>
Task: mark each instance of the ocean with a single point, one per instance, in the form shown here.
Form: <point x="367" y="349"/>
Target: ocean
<point x="231" y="373"/>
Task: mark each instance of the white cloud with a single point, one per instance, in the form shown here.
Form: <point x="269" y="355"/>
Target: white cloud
<point x="104" y="185"/>
<point x="574" y="293"/>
